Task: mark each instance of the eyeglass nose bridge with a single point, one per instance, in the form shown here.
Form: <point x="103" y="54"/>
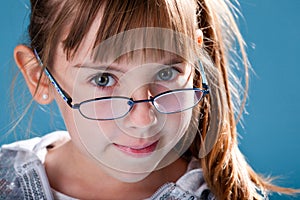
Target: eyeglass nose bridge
<point x="132" y="102"/>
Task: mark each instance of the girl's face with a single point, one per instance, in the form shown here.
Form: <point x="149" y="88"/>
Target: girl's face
<point x="131" y="147"/>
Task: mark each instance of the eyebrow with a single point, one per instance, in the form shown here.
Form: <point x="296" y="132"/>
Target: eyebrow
<point x="110" y="67"/>
<point x="172" y="60"/>
<point x="113" y="66"/>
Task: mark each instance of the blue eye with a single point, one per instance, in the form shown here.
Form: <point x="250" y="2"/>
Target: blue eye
<point x="103" y="80"/>
<point x="167" y="74"/>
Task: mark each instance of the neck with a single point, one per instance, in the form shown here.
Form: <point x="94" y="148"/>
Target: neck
<point x="72" y="173"/>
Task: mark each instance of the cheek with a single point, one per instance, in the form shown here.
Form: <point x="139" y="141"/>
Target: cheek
<point x="175" y="128"/>
<point x="179" y="121"/>
<point x="86" y="134"/>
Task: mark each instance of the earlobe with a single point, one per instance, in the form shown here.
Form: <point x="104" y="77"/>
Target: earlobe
<point x="32" y="72"/>
<point x="199" y="36"/>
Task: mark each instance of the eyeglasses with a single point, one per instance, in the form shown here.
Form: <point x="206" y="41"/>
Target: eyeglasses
<point x="115" y="107"/>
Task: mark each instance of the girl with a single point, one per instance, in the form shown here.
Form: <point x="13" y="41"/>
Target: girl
<point x="148" y="98"/>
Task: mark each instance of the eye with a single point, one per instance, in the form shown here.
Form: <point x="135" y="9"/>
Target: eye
<point x="103" y="80"/>
<point x="167" y="74"/>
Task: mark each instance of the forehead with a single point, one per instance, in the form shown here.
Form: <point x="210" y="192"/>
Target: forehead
<point x="147" y="44"/>
<point x="140" y="45"/>
<point x="119" y="27"/>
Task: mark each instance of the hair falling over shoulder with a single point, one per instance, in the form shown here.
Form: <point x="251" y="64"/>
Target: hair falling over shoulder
<point x="225" y="169"/>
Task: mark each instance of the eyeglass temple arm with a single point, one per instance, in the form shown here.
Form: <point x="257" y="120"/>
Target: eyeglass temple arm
<point x="204" y="80"/>
<point x="60" y="91"/>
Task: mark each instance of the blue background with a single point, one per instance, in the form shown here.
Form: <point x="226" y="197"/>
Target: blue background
<point x="270" y="139"/>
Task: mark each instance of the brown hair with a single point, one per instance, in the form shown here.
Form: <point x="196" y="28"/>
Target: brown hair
<point x="225" y="170"/>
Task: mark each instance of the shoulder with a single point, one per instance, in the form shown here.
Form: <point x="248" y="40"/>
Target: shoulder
<point x="38" y="145"/>
<point x="193" y="182"/>
<point x="22" y="174"/>
<point x="21" y="167"/>
<point x="190" y="186"/>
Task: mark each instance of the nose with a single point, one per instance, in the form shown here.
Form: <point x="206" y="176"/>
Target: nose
<point x="142" y="114"/>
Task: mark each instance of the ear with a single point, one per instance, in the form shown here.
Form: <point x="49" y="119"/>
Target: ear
<point x="199" y="36"/>
<point x="36" y="80"/>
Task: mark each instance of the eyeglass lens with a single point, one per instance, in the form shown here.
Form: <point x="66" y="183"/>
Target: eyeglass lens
<point x="117" y="107"/>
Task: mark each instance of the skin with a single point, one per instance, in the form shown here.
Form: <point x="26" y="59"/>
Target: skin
<point x="70" y="166"/>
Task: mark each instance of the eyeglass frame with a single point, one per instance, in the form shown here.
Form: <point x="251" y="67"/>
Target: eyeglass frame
<point x="66" y="97"/>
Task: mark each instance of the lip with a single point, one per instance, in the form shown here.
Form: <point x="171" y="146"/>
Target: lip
<point x="138" y="151"/>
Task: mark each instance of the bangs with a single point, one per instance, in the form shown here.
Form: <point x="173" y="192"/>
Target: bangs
<point x="153" y="26"/>
<point x="148" y="43"/>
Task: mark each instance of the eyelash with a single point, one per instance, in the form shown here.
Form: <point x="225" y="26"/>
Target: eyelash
<point x="92" y="81"/>
<point x="177" y="69"/>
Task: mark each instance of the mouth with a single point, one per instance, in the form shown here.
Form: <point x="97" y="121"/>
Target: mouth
<point x="138" y="151"/>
